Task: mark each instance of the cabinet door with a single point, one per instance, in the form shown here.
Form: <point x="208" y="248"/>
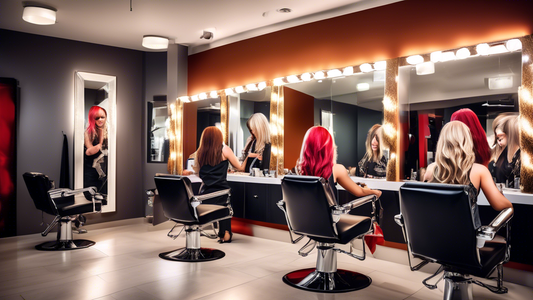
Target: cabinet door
<point x="237" y="198"/>
<point x="275" y="215"/>
<point x="255" y="202"/>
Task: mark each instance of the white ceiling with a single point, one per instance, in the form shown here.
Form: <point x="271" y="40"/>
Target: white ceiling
<point x="111" y="22"/>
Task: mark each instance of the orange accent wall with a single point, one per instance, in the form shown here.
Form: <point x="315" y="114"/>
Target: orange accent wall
<point x="299" y="116"/>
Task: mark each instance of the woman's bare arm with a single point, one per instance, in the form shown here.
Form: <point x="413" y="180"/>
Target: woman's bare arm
<point x="496" y="199"/>
<point x="229" y="155"/>
<point x="91" y="150"/>
<point x="342" y="178"/>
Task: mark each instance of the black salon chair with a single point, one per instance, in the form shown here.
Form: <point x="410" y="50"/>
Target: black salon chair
<point x="439" y="225"/>
<point x="66" y="205"/>
<point x="312" y="211"/>
<point x="183" y="207"/>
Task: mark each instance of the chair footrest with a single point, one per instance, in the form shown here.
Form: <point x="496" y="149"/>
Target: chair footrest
<point x="337" y="282"/>
<point x="193" y="255"/>
<point x="64" y="245"/>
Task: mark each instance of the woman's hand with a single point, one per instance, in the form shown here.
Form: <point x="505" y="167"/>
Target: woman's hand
<point x="186" y="173"/>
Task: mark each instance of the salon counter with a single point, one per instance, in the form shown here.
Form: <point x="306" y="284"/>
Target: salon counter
<point x="255" y="198"/>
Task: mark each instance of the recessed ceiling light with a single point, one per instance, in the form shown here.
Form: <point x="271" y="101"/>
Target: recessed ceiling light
<point x="39" y="15"/>
<point x="284" y="10"/>
<point x="155" y="42"/>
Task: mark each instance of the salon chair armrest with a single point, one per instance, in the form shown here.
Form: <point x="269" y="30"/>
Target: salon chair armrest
<point x="487" y="233"/>
<point x="346" y="208"/>
<point x="281" y="205"/>
<point x="203" y="197"/>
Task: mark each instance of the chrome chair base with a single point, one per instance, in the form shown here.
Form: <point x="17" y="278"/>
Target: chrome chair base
<point x="340" y="281"/>
<point x="193" y="255"/>
<point x="64" y="245"/>
<point x="457" y="287"/>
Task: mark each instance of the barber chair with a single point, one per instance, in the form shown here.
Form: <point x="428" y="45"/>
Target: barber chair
<point x="66" y="205"/>
<point x="440" y="226"/>
<point x="312" y="211"/>
<point x="183" y="207"/>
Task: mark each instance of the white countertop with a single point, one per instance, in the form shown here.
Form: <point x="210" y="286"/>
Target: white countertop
<point x="515" y="196"/>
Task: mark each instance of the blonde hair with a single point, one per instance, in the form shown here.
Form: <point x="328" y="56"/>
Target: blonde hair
<point x="374" y="132"/>
<point x="261" y="130"/>
<point x="455" y="154"/>
<point x="508" y="124"/>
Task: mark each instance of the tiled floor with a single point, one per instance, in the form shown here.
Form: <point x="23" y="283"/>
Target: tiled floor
<point x="124" y="264"/>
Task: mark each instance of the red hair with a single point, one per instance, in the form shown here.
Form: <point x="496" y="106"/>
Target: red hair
<point x="318" y="151"/>
<point x="91" y="128"/>
<point x="481" y="145"/>
<point x="210" y="150"/>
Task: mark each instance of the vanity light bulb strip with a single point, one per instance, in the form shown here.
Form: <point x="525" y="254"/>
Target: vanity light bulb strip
<point x="526" y="111"/>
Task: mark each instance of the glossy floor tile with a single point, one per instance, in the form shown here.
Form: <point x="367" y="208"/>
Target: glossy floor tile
<point x="124" y="264"/>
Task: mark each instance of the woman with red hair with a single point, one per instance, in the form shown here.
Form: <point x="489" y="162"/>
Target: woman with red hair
<point x="95" y="146"/>
<point x="481" y="146"/>
<point x="318" y="158"/>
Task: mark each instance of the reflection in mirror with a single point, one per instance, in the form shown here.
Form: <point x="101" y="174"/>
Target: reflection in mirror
<point x="349" y="107"/>
<point x="95" y="135"/>
<point x="158" y="144"/>
<point x="488" y="85"/>
<point x="207" y="114"/>
<point x="242" y="107"/>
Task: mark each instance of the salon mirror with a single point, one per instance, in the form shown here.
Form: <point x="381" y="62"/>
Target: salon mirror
<point x="98" y="169"/>
<point x="488" y="85"/>
<point x="348" y="106"/>
<point x="158" y="122"/>
<point x="207" y="114"/>
<point x="242" y="107"/>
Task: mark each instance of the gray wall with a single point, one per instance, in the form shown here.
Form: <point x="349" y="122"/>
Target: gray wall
<point x="155" y="79"/>
<point x="45" y="67"/>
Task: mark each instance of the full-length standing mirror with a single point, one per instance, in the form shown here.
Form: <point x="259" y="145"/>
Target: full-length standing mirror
<point x="95" y="135"/>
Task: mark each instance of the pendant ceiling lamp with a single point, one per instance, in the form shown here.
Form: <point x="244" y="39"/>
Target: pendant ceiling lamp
<point x="39" y="15"/>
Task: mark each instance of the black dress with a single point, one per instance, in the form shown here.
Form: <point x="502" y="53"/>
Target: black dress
<point x="215" y="179"/>
<point x="90" y="174"/>
<point x="505" y="171"/>
<point x="261" y="164"/>
<point x="368" y="168"/>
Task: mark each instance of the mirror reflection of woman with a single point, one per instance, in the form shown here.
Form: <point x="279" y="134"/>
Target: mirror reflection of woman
<point x="258" y="144"/>
<point x="505" y="164"/>
<point x="374" y="163"/>
<point x="318" y="158"/>
<point x="96" y="147"/>
<point x="211" y="165"/>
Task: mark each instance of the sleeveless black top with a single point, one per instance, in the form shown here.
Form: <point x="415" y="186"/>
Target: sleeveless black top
<point x="214" y="177"/>
<point x="505" y="171"/>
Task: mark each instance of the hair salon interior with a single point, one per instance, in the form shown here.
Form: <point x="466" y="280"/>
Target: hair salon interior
<point x="138" y="81"/>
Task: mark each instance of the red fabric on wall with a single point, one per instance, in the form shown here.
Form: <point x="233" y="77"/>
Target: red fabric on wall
<point x="7" y="154"/>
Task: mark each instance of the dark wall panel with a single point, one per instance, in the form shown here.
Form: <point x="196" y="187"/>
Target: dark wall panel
<point x="45" y="69"/>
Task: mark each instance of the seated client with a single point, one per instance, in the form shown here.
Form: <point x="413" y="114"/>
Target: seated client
<point x="455" y="163"/>
<point x="211" y="163"/>
<point x="318" y="158"/>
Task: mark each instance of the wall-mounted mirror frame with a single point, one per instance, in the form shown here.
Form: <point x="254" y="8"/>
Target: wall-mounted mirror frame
<point x="81" y="81"/>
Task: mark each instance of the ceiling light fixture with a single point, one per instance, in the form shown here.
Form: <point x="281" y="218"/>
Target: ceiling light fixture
<point x="155" y="42"/>
<point x="284" y="10"/>
<point x="425" y="68"/>
<point x="501" y="82"/>
<point x="208" y="33"/>
<point x="39" y="15"/>
<point x="363" y="86"/>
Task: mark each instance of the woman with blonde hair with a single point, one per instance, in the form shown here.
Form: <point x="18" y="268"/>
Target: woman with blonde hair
<point x="374" y="163"/>
<point x="455" y="164"/>
<point x="211" y="165"/>
<point x="256" y="153"/>
<point x="505" y="164"/>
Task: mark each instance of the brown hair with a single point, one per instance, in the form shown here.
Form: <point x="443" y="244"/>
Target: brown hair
<point x="374" y="132"/>
<point x="210" y="150"/>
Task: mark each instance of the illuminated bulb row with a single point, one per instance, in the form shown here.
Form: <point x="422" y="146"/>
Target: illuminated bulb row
<point x="481" y="49"/>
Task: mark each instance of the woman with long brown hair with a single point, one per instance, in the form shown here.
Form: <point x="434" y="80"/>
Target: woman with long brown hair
<point x="505" y="164"/>
<point x="211" y="165"/>
<point x="374" y="163"/>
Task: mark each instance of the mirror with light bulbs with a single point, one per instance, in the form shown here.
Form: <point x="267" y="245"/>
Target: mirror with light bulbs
<point x="486" y="84"/>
